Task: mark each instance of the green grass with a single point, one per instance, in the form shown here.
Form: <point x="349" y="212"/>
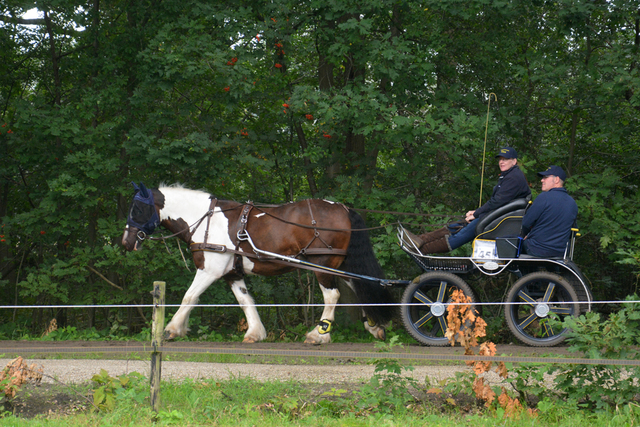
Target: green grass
<point x="243" y="402"/>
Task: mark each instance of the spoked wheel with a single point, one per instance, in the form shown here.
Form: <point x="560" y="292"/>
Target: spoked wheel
<point x="543" y="293"/>
<point x="425" y="316"/>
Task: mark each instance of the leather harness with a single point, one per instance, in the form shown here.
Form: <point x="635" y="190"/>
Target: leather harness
<point x="238" y="268"/>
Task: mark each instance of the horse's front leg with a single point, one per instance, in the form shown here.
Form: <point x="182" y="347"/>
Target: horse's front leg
<point x="256" y="331"/>
<point x="179" y="324"/>
<point x="321" y="333"/>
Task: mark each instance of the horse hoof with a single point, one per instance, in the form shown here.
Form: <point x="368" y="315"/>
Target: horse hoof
<point x="315" y="339"/>
<point x="248" y="341"/>
<point x="168" y="336"/>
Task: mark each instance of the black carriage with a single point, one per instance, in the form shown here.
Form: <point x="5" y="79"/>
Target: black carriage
<point x="542" y="285"/>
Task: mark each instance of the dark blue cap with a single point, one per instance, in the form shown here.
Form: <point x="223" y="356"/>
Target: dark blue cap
<point x="555" y="171"/>
<point x="507" y="153"/>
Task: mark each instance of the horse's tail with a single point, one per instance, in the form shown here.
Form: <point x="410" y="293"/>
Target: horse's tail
<point x="360" y="259"/>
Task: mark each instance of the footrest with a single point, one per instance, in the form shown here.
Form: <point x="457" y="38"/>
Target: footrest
<point x="454" y="265"/>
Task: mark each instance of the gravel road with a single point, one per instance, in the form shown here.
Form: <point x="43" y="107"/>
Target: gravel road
<point x="78" y="371"/>
<point x="58" y="361"/>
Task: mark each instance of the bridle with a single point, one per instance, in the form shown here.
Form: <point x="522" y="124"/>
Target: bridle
<point x="190" y="229"/>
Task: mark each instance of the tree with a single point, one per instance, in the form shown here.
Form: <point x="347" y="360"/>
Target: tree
<point x="379" y="105"/>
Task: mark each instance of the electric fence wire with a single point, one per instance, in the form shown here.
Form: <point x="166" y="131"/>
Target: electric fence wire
<point x="504" y="303"/>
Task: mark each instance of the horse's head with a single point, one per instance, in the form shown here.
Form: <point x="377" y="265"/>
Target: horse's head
<point x="142" y="220"/>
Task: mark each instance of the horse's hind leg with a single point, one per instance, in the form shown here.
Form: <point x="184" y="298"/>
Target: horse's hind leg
<point x="321" y="333"/>
<point x="374" y="329"/>
<point x="256" y="331"/>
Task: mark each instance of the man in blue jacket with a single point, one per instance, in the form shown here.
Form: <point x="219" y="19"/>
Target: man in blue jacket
<point x="547" y="223"/>
<point x="512" y="184"/>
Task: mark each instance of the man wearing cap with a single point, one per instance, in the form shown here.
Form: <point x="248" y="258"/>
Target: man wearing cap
<point x="547" y="223"/>
<point x="512" y="185"/>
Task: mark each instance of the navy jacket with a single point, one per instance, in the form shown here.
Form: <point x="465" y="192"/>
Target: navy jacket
<point x="512" y="184"/>
<point x="547" y="223"/>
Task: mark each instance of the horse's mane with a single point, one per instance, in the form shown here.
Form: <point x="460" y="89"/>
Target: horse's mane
<point x="179" y="186"/>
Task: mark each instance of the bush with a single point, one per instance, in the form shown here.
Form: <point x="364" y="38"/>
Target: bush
<point x="592" y="386"/>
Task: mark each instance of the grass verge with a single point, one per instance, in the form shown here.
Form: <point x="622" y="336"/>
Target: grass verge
<point x="246" y="402"/>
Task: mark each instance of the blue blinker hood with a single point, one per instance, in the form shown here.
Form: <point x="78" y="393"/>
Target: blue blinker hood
<point x="143" y="214"/>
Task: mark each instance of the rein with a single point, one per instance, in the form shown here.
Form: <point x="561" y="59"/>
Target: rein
<point x="356" y="229"/>
<point x="405" y="213"/>
<point x="192" y="228"/>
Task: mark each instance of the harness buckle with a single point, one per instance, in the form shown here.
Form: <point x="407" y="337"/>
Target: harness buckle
<point x="141" y="235"/>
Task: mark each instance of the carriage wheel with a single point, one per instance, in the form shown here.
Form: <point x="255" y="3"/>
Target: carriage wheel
<point x="584" y="294"/>
<point x="425" y="318"/>
<point x="544" y="293"/>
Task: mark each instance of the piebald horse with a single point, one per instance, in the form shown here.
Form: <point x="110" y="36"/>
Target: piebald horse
<point x="223" y="236"/>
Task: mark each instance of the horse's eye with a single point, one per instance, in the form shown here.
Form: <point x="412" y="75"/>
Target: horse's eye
<point x="140" y="212"/>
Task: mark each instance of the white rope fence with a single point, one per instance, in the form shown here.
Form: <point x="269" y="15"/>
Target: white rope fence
<point x="14" y="307"/>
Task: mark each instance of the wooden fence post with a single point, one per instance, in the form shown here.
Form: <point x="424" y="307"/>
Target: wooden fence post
<point x="157" y="331"/>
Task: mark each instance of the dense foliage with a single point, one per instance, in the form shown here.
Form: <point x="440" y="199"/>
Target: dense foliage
<point x="379" y="104"/>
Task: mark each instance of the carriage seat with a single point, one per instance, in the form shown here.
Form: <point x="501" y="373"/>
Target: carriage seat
<point x="504" y="221"/>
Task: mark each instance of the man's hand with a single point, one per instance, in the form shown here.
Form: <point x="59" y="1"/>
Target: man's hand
<point x="469" y="217"/>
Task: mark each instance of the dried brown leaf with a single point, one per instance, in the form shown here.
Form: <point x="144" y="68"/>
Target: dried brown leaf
<point x="501" y="369"/>
<point x="242" y="325"/>
<point x="504" y="399"/>
<point x="487" y="349"/>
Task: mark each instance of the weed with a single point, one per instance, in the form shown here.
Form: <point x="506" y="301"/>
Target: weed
<point x="170" y="417"/>
<point x="290" y="406"/>
<point x="335" y="392"/>
<point x="123" y="388"/>
<point x="388" y="389"/>
<point x="17" y="373"/>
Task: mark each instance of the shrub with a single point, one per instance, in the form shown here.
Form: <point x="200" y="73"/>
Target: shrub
<point x="593" y="386"/>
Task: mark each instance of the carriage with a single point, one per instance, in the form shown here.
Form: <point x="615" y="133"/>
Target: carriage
<point x="230" y="239"/>
<point x="543" y="286"/>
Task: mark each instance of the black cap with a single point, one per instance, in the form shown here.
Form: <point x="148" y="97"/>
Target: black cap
<point x="555" y="171"/>
<point x="507" y="153"/>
